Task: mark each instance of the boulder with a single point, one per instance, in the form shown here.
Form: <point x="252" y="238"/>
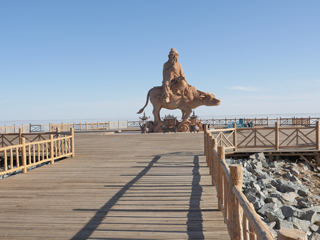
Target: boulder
<point x="291" y="211"/>
<point x="284" y="224"/>
<point x="305" y="202"/>
<point x="315" y="236"/>
<point x="301" y="224"/>
<point x="295" y="171"/>
<point x="289" y="197"/>
<point x="314" y="228"/>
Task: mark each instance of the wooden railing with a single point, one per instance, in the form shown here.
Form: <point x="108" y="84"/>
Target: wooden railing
<point x="136" y="124"/>
<point x="242" y="220"/>
<point x="25" y="154"/>
<point x="239" y="214"/>
<point x="268" y="137"/>
<point x="66" y="126"/>
<point x="263" y="121"/>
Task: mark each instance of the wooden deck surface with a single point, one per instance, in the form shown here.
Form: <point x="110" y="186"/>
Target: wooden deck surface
<point x="119" y="186"/>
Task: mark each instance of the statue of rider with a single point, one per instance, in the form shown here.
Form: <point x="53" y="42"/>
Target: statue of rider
<point x="172" y="71"/>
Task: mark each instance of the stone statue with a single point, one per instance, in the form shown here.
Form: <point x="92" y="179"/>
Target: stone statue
<point x="172" y="71"/>
<point x="176" y="93"/>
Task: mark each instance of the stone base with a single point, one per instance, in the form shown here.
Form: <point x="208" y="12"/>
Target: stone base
<point x="172" y="126"/>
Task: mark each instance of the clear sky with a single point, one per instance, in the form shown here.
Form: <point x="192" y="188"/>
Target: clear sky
<point x="97" y="59"/>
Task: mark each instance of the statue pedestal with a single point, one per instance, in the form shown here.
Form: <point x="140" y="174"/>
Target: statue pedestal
<point x="171" y="124"/>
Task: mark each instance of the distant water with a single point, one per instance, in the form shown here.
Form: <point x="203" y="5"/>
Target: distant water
<point x="42" y="122"/>
<point x="90" y="120"/>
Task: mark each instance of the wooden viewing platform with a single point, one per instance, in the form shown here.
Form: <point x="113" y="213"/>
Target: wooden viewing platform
<point x="118" y="186"/>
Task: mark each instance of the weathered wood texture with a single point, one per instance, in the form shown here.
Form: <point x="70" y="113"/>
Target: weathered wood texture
<point x="120" y="186"/>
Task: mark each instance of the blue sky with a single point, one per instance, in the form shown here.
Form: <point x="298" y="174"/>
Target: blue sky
<point x="98" y="59"/>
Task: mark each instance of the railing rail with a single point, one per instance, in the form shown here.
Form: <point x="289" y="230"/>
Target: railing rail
<point x="23" y="155"/>
<point x="275" y="137"/>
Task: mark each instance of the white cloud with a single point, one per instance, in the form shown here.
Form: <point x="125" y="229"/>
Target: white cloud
<point x="242" y="88"/>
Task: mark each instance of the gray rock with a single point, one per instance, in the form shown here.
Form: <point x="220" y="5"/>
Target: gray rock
<point x="305" y="202"/>
<point x="289" y="197"/>
<point x="303" y="190"/>
<point x="275" y="215"/>
<point x="275" y="194"/>
<point x="283" y="185"/>
<point x="272" y="200"/>
<point x="291" y="211"/>
<point x="295" y="171"/>
<point x="305" y="179"/>
<point x="294" y="179"/>
<point x="314" y="228"/>
<point x="268" y="207"/>
<point x="255" y="185"/>
<point x="275" y="164"/>
<point x="306" y="167"/>
<point x="301" y="224"/>
<point x="309" y="216"/>
<point x="316" y="197"/>
<point x="315" y="236"/>
<point x="284" y="224"/>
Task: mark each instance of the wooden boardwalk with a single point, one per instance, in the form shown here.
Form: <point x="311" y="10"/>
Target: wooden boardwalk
<point x="119" y="186"/>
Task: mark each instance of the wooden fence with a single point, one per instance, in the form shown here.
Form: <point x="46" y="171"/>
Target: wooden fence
<point x="66" y="126"/>
<point x="239" y="214"/>
<point x="275" y="138"/>
<point x="136" y="124"/>
<point x="263" y="121"/>
<point x="34" y="151"/>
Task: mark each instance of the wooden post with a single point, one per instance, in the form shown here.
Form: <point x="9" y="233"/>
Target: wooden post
<point x="74" y="125"/>
<point x="51" y="149"/>
<point x="236" y="179"/>
<point x="318" y="135"/>
<point x="221" y="155"/>
<point x="14" y="128"/>
<point x="207" y="149"/>
<point x="277" y="136"/>
<point x="109" y="124"/>
<point x="98" y="125"/>
<point x="213" y="167"/>
<point x="20" y="136"/>
<point x="205" y="139"/>
<point x="127" y="123"/>
<point x="226" y="122"/>
<point x="268" y="121"/>
<point x="24" y="155"/>
<point x="280" y="122"/>
<point x="30" y="128"/>
<point x="292" y="234"/>
<point x="5" y="128"/>
<point x="235" y="137"/>
<point x="118" y="124"/>
<point x="72" y="142"/>
<point x="309" y="121"/>
<point x="213" y="122"/>
<point x="210" y="153"/>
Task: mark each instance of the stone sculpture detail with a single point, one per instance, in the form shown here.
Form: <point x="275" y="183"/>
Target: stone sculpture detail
<point x="176" y="93"/>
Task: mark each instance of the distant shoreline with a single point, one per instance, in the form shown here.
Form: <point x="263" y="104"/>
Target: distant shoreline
<point x="91" y="120"/>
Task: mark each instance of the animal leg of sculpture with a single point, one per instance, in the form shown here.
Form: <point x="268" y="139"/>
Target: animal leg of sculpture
<point x="183" y="113"/>
<point x="187" y="112"/>
<point x="156" y="114"/>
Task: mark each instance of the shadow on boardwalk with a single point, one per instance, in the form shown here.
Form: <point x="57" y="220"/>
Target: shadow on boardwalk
<point x="194" y="226"/>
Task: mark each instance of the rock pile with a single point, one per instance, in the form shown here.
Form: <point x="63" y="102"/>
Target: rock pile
<point x="279" y="196"/>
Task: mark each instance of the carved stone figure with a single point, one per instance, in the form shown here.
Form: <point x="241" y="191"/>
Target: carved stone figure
<point x="185" y="102"/>
<point x="176" y="93"/>
<point x="172" y="71"/>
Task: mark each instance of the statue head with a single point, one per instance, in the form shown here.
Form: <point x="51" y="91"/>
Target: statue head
<point x="173" y="54"/>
